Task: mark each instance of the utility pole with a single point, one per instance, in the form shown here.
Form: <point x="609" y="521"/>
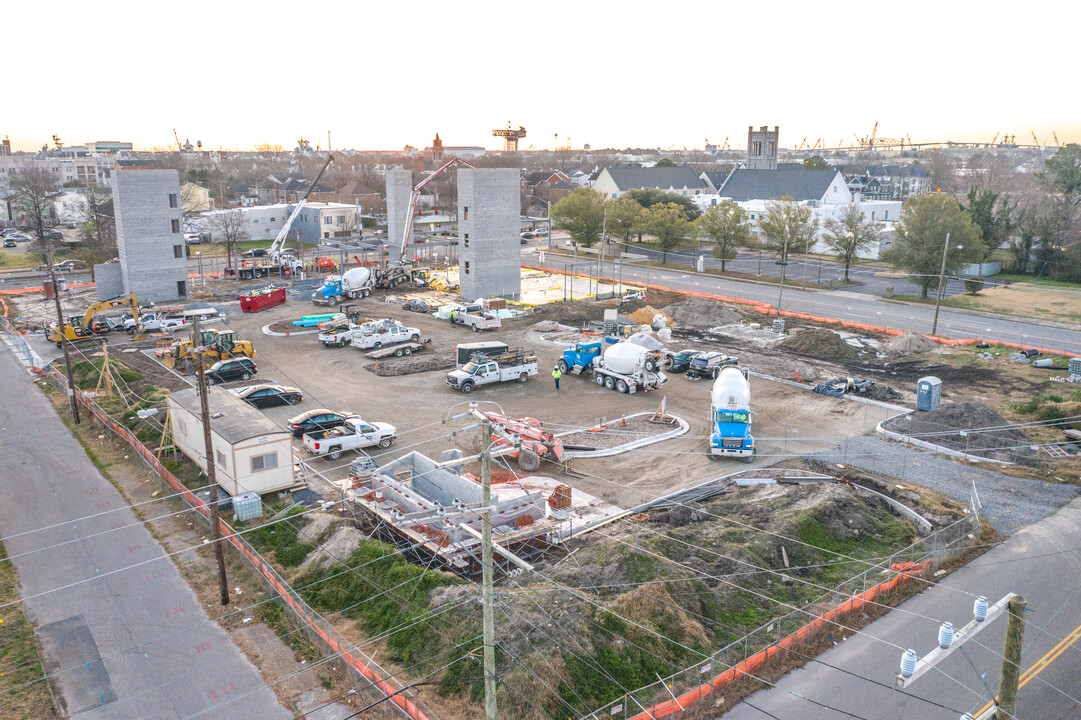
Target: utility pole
<point x="486" y="559"/>
<point x="941" y="275"/>
<point x="600" y="252"/>
<point x="1011" y="659"/>
<point x="63" y="339"/>
<point x="783" y="262"/>
<point x="211" y="474"/>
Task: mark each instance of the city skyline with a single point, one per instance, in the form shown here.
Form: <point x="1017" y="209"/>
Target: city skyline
<point x="604" y="74"/>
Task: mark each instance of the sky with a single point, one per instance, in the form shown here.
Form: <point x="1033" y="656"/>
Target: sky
<point x="382" y="75"/>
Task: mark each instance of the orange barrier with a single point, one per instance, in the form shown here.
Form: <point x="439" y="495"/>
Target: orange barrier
<point x="767" y="309"/>
<point x="361" y="665"/>
<point x="23" y="291"/>
<point x="748" y="666"/>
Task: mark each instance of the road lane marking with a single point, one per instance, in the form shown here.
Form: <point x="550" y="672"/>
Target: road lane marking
<point x="1043" y="662"/>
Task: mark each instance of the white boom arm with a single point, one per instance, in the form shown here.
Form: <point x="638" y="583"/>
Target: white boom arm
<point x="279" y="241"/>
<point x="415" y="197"/>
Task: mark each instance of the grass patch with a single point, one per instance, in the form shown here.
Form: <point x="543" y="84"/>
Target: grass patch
<point x="19" y="657"/>
<point x="280" y="539"/>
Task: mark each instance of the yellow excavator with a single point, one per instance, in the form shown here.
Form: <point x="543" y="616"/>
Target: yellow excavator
<point x="84" y="330"/>
<point x="215" y="345"/>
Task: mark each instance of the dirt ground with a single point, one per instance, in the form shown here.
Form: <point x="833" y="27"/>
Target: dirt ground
<point x="1057" y="305"/>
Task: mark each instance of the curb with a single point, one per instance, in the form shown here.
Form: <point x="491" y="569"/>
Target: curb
<point x="627" y="447"/>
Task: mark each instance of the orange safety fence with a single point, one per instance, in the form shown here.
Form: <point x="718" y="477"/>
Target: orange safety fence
<point x="39" y="288"/>
<point x="361" y="665"/>
<point x="748" y="666"/>
<point x="767" y="309"/>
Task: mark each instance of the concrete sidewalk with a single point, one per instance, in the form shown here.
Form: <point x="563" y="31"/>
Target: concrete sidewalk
<point x="133" y="644"/>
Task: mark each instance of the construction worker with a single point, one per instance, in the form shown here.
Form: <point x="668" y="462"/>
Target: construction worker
<point x="556" y="374"/>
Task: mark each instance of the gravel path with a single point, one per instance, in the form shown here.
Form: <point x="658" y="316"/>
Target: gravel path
<point x="1009" y="503"/>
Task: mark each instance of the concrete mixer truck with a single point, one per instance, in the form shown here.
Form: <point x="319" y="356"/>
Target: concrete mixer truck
<point x="355" y="283"/>
<point x="631" y="365"/>
<point x="730" y="416"/>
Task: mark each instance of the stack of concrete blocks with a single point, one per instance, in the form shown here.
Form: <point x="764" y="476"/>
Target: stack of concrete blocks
<point x="150" y="235"/>
<point x="399" y="189"/>
<point x="489" y="225"/>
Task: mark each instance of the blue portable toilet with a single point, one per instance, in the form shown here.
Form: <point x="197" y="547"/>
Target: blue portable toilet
<point x="928" y="393"/>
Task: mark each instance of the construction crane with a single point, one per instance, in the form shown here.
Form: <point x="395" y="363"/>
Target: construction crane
<point x="179" y="147"/>
<point x="275" y="248"/>
<point x="1034" y="138"/>
<point x="804" y="142"/>
<point x="1055" y="135"/>
<point x="994" y="139"/>
<point x="725" y="146"/>
<point x="510" y="137"/>
<point x="57" y="141"/>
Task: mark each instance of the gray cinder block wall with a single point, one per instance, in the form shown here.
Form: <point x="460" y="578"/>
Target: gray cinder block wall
<point x="149" y="234"/>
<point x="399" y="188"/>
<point x="108" y="280"/>
<point x="489" y="242"/>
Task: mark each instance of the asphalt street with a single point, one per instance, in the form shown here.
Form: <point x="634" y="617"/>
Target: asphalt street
<point x="132" y="644"/>
<point x="844" y="305"/>
<point x="1042" y="563"/>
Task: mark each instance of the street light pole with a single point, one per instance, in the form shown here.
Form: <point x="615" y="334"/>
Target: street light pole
<point x="783" y="262"/>
<point x="941" y="274"/>
<point x="199" y="258"/>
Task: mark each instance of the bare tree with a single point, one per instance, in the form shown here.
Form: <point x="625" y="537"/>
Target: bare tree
<point x="849" y="233"/>
<point x="98" y="231"/>
<point x="228" y="227"/>
<point x="33" y="188"/>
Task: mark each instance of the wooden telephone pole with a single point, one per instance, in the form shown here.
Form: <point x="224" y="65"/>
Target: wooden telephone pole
<point x="64" y="340"/>
<point x="1011" y="660"/>
<point x="211" y="473"/>
<point x="490" y="683"/>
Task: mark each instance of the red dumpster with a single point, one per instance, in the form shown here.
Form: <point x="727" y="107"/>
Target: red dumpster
<point x="261" y="299"/>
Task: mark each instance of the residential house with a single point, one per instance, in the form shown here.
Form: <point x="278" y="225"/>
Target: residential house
<point x="814" y="187"/>
<point x="195" y="198"/>
<point x="614" y="182"/>
<point x="714" y="179"/>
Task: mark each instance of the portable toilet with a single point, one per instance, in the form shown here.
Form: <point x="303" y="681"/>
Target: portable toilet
<point x="928" y="393"/>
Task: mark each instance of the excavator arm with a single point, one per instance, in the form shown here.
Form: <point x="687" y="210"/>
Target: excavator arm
<point x="111" y="303"/>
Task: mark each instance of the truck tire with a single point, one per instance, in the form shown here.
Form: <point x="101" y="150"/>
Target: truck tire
<point x="716" y="372"/>
<point x="334" y="453"/>
<point x="711" y="456"/>
<point x="414" y="337"/>
<point x="600" y="379"/>
<point x="528" y="460"/>
<point x="475" y="328"/>
<point x="398" y="352"/>
<point x="621" y="387"/>
<point x="467" y="387"/>
<point x="609" y="382"/>
<point x="749" y="459"/>
<point x="336" y="300"/>
<point x="408" y="351"/>
<point x="377" y="345"/>
<point x="562" y="366"/>
<point x="365" y="292"/>
<point x="386" y="442"/>
<point x="257" y="273"/>
<point x="651" y="365"/>
<point x="523" y="377"/>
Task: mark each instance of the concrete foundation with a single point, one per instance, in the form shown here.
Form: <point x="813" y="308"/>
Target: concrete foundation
<point x="489" y="247"/>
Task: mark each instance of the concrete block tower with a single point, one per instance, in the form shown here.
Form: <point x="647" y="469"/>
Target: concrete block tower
<point x="149" y="234"/>
<point x="762" y="147"/>
<point x="489" y="224"/>
<point x="399" y="188"/>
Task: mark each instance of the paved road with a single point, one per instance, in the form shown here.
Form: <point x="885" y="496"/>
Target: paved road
<point x="1041" y="563"/>
<point x="845" y="305"/>
<point x="86" y="631"/>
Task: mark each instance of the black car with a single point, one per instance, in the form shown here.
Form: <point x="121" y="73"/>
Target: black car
<point x="225" y="371"/>
<point x="321" y="419"/>
<point x="54" y="235"/>
<point x="269" y="395"/>
<point x="256" y="253"/>
<point x="682" y="360"/>
<point x="9" y="242"/>
<point x="709" y="365"/>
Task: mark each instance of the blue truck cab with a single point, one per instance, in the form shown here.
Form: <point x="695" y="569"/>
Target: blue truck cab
<point x="579" y="359"/>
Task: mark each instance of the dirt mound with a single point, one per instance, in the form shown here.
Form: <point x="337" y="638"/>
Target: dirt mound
<point x="317" y="525"/>
<point x="339" y="546"/>
<point x="986" y="432"/>
<point x="701" y="314"/>
<point x="547" y="326"/>
<point x="819" y="343"/>
<point x="645" y="315"/>
<point x="909" y="343"/>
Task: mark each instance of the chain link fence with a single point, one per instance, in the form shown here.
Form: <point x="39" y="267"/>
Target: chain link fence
<point x="18" y="345"/>
<point x="763" y="651"/>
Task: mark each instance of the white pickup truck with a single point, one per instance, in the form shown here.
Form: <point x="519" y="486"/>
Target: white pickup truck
<point x="513" y="364"/>
<point x="474" y="317"/>
<point x="354" y="434"/>
<point x="386" y="334"/>
<point x="154" y="321"/>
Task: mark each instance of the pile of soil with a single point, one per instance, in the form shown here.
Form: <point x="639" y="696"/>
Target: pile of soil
<point x="410" y="365"/>
<point x="819" y="343"/>
<point x="702" y="314"/>
<point x="547" y="326"/>
<point x="909" y="343"/>
<point x="337" y="548"/>
<point x="645" y="315"/>
<point x="942" y="426"/>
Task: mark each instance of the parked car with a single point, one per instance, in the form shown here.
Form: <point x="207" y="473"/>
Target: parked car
<point x="9" y="242"/>
<point x="225" y="371"/>
<point x="269" y="395"/>
<point x="708" y="365"/>
<point x="8" y="231"/>
<point x="529" y="236"/>
<point x="321" y="419"/>
<point x="101" y="326"/>
<point x="20" y="237"/>
<point x="54" y="235"/>
<point x="682" y="360"/>
<point x="193" y="238"/>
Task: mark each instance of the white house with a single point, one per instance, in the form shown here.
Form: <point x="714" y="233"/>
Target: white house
<point x="614" y="182"/>
<point x="263" y="222"/>
<point x="252" y="453"/>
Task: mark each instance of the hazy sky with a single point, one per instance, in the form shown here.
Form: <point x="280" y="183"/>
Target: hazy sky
<point x="612" y="74"/>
